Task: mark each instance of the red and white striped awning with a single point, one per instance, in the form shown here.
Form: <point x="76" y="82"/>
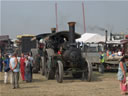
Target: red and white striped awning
<point x="124" y="41"/>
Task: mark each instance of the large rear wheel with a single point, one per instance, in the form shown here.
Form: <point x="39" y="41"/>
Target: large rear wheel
<point x="36" y="64"/>
<point x="87" y="74"/>
<point x="59" y="72"/>
<point x="49" y="72"/>
<point x="42" y="68"/>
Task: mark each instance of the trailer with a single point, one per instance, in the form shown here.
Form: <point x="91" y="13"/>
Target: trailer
<point x="113" y="46"/>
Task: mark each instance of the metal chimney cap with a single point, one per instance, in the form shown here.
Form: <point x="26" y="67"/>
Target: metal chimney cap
<point x="106" y="30"/>
<point x="71" y="23"/>
<point x="53" y="29"/>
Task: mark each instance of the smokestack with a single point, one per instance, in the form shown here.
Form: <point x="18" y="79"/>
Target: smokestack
<point x="106" y="33"/>
<point x="53" y="30"/>
<point x="71" y="31"/>
<point x="110" y="36"/>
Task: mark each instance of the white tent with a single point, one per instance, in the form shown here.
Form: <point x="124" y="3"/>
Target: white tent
<point x="91" y="37"/>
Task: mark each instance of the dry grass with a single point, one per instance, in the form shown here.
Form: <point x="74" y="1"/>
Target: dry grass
<point x="101" y="85"/>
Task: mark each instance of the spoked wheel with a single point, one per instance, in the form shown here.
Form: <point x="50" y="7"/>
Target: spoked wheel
<point x="42" y="69"/>
<point x="36" y="64"/>
<point x="59" y="72"/>
<point x="87" y="74"/>
<point x="49" y="72"/>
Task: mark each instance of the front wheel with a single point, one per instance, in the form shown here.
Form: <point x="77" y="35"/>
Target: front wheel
<point x="59" y="72"/>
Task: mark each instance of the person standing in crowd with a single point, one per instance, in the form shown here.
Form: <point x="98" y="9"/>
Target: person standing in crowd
<point x="14" y="66"/>
<point x="0" y="52"/>
<point x="1" y="63"/>
<point x="27" y="70"/>
<point x="119" y="53"/>
<point x="22" y="66"/>
<point x="122" y="72"/>
<point x="31" y="62"/>
<point x="6" y="68"/>
<point x="108" y="53"/>
<point x="102" y="60"/>
<point x="10" y="72"/>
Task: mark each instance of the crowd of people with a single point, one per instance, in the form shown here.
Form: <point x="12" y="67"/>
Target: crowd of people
<point x="110" y="55"/>
<point x="13" y="65"/>
<point x="114" y="53"/>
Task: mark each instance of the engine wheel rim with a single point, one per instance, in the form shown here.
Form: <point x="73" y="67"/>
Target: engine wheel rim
<point x="59" y="72"/>
<point x="88" y="72"/>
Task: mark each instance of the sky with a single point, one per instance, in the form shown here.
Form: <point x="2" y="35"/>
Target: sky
<point x="37" y="17"/>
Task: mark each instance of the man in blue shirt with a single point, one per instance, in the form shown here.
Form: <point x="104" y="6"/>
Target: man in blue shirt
<point x="15" y="67"/>
<point x="6" y="68"/>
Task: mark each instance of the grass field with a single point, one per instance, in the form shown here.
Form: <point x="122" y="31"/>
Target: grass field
<point x="101" y="85"/>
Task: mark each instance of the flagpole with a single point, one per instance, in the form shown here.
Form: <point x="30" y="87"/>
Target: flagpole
<point x="56" y="17"/>
<point x="84" y="17"/>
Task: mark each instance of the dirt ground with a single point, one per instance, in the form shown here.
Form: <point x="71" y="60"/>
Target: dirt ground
<point x="102" y="85"/>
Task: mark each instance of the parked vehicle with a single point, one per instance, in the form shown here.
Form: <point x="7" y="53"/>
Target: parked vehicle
<point x="38" y="52"/>
<point x="112" y="46"/>
<point x="25" y="44"/>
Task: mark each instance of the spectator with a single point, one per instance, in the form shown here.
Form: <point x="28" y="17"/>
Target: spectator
<point x="119" y="53"/>
<point x="14" y="66"/>
<point x="6" y="68"/>
<point x="1" y="63"/>
<point x="107" y="53"/>
<point x="0" y="52"/>
<point x="10" y="72"/>
<point x="113" y="54"/>
<point x="31" y="62"/>
<point x="122" y="72"/>
<point x="102" y="60"/>
<point x="22" y="66"/>
<point x="28" y="70"/>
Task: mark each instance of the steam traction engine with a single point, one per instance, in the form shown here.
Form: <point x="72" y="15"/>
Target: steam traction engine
<point x="63" y="56"/>
<point x="38" y="52"/>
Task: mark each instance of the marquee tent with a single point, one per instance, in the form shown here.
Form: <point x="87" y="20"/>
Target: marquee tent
<point x="91" y="37"/>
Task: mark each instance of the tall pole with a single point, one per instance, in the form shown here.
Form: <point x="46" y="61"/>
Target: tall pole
<point x="84" y="17"/>
<point x="56" y="17"/>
